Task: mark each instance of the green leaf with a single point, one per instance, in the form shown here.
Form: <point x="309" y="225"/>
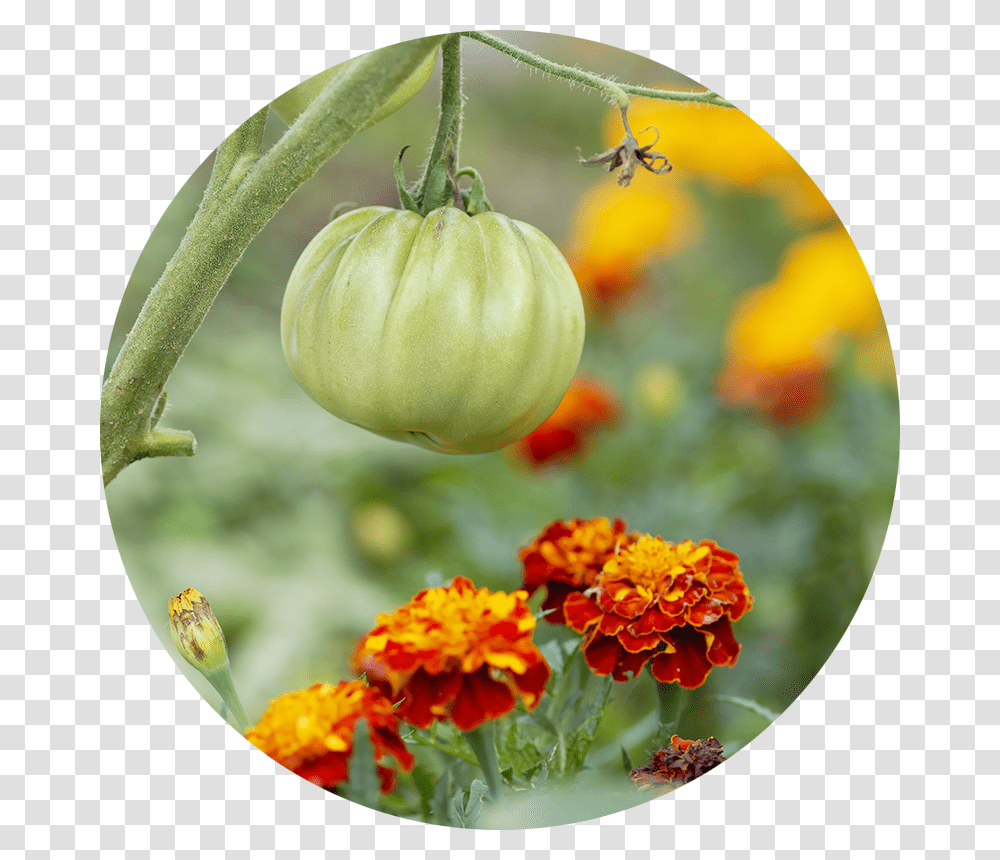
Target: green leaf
<point x="364" y="786"/>
<point x="464" y="812"/>
<point x="750" y="705"/>
<point x="627" y="761"/>
<point x="425" y="783"/>
<point x="553" y="654"/>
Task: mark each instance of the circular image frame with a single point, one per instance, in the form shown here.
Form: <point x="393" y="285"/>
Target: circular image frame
<point x="756" y="392"/>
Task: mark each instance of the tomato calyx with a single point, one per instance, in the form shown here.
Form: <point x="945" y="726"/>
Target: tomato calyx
<point x="628" y="155"/>
<point x="471" y="201"/>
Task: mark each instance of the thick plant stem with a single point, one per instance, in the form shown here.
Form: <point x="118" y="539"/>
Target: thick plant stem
<point x="617" y="91"/>
<point x="483" y="743"/>
<point x="244" y="192"/>
<point x="434" y="189"/>
<point x="671" y="701"/>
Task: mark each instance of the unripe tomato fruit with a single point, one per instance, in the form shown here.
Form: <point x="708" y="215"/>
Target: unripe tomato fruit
<point x="457" y="333"/>
<point x="290" y="104"/>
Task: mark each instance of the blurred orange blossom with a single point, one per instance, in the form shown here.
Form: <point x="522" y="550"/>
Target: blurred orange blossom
<point x="587" y="405"/>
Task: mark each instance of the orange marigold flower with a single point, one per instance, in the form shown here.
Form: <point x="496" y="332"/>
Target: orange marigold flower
<point x="455" y="653"/>
<point x="586" y="406"/>
<point x="311" y="732"/>
<point x="568" y="557"/>
<point x="669" y="605"/>
<point x="678" y="764"/>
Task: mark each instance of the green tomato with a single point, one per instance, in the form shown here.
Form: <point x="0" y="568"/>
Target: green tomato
<point x="289" y="105"/>
<point x="457" y="333"/>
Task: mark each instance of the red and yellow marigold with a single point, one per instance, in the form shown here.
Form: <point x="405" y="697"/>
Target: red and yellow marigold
<point x="455" y="653"/>
<point x="669" y="605"/>
<point x="311" y="732"/>
<point x="568" y="557"/>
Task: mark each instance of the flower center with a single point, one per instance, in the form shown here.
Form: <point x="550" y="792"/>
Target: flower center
<point x="652" y="565"/>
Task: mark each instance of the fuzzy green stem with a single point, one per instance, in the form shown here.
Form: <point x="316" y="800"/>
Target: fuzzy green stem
<point x="243" y="193"/>
<point x="482" y="742"/>
<point x="617" y="91"/>
<point x="671" y="701"/>
<point x="435" y="187"/>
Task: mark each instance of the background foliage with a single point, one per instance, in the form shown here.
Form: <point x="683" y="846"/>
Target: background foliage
<point x="300" y="529"/>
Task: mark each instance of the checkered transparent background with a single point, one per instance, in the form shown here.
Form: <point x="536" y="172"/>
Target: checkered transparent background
<point x="891" y="107"/>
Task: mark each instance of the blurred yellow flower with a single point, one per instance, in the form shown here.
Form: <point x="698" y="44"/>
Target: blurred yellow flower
<point x="821" y="292"/>
<point x="618" y="232"/>
<point x="784" y="335"/>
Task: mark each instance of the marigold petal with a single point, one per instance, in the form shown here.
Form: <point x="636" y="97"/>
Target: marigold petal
<point x="688" y="665"/>
<point x="723" y="649"/>
<point x="610" y="624"/>
<point x="635" y="644"/>
<point x="653" y="619"/>
<point x="532" y="683"/>
<point x="580" y="611"/>
<point x="630" y="665"/>
<point x="480" y="698"/>
<point x="704" y="613"/>
<point x="602" y="653"/>
<point x="426" y="696"/>
<point x="632" y="604"/>
<point x="507" y="660"/>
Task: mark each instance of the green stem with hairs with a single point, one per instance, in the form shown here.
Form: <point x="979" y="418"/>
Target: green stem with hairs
<point x="671" y="701"/>
<point x="618" y="92"/>
<point x="436" y="186"/>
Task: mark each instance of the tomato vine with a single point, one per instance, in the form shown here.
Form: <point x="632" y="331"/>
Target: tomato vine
<point x="247" y="187"/>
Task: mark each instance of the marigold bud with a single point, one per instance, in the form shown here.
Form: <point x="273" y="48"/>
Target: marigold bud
<point x="197" y="634"/>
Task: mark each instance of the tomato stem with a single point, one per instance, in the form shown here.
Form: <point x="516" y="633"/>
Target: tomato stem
<point x="614" y="90"/>
<point x="436" y="187"/>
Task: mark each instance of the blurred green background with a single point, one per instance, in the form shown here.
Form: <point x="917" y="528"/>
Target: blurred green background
<point x="300" y="529"/>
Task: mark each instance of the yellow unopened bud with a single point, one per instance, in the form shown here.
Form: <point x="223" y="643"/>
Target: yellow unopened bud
<point x="197" y="634"/>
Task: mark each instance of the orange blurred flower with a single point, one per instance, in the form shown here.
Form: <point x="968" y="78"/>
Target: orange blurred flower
<point x="724" y="147"/>
<point x="311" y="732"/>
<point x="784" y="336"/>
<point x="455" y="653"/>
<point x="586" y="406"/>
<point x="568" y="557"/>
<point x="678" y="764"/>
<point x="669" y="605"/>
<point x="618" y="233"/>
